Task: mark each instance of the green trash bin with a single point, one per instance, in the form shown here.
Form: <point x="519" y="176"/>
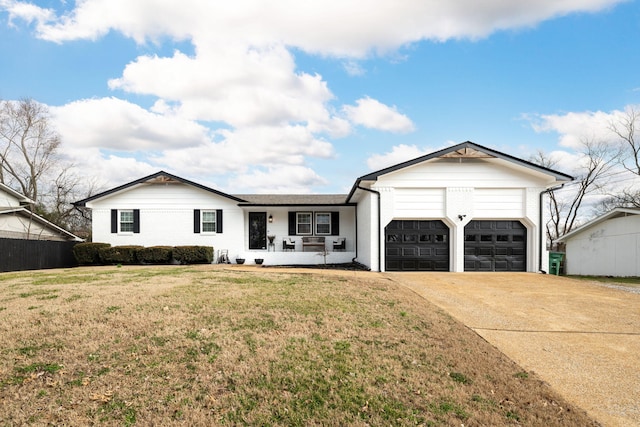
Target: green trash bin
<point x="555" y="261"/>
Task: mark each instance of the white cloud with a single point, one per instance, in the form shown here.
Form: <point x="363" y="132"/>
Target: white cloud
<point x="575" y="127"/>
<point x="239" y="104"/>
<point x="115" y="124"/>
<point x="239" y="86"/>
<point x="356" y="28"/>
<point x="373" y="114"/>
<point x="398" y="154"/>
<point x="353" y="68"/>
<point x="285" y="180"/>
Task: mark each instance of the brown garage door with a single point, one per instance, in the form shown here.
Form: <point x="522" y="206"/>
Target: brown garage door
<point x="495" y="246"/>
<point x="417" y="246"/>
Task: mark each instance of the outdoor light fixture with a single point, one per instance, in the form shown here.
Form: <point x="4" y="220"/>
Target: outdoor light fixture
<point x="461" y="217"/>
<point x="270" y="218"/>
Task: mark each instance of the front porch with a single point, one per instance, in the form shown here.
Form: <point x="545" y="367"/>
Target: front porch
<point x="295" y="258"/>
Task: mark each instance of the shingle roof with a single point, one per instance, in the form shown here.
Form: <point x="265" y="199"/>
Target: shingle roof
<point x="291" y="199"/>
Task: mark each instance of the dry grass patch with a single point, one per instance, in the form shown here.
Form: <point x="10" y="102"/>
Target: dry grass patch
<point x="209" y="346"/>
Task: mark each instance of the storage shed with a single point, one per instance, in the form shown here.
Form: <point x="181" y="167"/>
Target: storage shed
<point x="606" y="246"/>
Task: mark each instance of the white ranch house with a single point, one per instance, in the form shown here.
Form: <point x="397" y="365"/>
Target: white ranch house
<point x="463" y="208"/>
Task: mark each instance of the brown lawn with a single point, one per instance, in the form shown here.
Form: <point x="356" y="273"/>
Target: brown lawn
<point x="204" y="345"/>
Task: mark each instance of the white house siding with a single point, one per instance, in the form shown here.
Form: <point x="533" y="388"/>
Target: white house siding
<point x="367" y="229"/>
<point x="480" y="189"/>
<point x="497" y="203"/>
<point x="166" y="217"/>
<point x="611" y="248"/>
<point x="17" y="226"/>
<point x="7" y="200"/>
<point x="279" y="227"/>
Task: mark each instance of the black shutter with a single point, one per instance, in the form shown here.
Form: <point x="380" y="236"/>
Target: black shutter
<point x="335" y="223"/>
<point x="196" y="220"/>
<point x="292" y="223"/>
<point x="219" y="221"/>
<point x="136" y="220"/>
<point x="114" y="220"/>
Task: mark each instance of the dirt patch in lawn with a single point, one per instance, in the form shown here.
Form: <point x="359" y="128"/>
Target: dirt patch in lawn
<point x="208" y="345"/>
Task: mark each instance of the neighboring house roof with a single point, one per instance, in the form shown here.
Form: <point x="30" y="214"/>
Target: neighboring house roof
<point x="466" y="149"/>
<point x="34" y="217"/>
<point x="293" y="199"/>
<point x="615" y="213"/>
<point x="21" y="198"/>
<point x="156" y="178"/>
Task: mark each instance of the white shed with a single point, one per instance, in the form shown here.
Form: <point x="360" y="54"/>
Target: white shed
<point x="606" y="246"/>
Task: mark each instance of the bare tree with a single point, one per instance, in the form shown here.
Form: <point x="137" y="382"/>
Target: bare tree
<point x="30" y="163"/>
<point x="625" y="129"/>
<point x="597" y="159"/>
<point x="58" y="196"/>
<point x="28" y="145"/>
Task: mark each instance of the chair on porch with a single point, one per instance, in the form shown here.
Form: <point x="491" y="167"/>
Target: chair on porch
<point x="340" y="244"/>
<point x="289" y="245"/>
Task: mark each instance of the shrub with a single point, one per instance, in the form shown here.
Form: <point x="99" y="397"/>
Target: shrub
<point x="155" y="255"/>
<point x="88" y="253"/>
<point x="193" y="254"/>
<point x="119" y="255"/>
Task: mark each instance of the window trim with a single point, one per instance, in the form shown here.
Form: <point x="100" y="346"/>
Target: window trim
<point x="121" y="222"/>
<point x="310" y="223"/>
<point x="317" y="223"/>
<point x="203" y="222"/>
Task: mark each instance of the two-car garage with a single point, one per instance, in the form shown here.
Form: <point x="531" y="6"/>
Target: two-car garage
<point x="424" y="245"/>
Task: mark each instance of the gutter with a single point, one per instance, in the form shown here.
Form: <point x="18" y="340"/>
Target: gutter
<point x="548" y="190"/>
<point x="379" y="224"/>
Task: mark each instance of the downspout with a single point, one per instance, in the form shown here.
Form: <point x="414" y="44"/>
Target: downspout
<point x="379" y="223"/>
<point x="548" y="190"/>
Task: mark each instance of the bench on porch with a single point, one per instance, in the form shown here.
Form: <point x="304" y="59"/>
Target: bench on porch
<point x="314" y="243"/>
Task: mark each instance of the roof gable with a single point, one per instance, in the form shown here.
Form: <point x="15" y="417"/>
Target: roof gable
<point x="465" y="150"/>
<point x="19" y="198"/>
<point x="161" y="177"/>
<point x="25" y="213"/>
<point x="615" y="213"/>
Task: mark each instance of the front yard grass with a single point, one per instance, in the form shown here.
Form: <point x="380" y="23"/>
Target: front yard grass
<point x="205" y="346"/>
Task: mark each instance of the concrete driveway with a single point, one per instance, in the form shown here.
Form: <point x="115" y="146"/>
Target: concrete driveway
<point x="580" y="337"/>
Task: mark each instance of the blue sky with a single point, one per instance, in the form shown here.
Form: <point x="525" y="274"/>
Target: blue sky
<point x="305" y="96"/>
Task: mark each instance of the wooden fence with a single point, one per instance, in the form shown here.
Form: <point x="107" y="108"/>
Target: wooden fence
<point x="17" y="254"/>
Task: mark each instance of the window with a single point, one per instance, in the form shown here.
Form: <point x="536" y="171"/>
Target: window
<point x="323" y="223"/>
<point x="309" y="223"/>
<point x="303" y="222"/>
<point x="208" y="221"/>
<point x="126" y="221"/>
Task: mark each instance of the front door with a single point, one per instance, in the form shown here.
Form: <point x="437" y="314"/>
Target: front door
<point x="257" y="230"/>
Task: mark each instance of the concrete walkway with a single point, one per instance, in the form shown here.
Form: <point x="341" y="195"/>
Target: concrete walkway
<point x="580" y="337"/>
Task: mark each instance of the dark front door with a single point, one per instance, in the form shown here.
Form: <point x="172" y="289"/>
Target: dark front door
<point x="495" y="246"/>
<point x="417" y="246"/>
<point x="257" y="230"/>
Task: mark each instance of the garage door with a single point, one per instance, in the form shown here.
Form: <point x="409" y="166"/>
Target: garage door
<point x="495" y="246"/>
<point x="417" y="246"/>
